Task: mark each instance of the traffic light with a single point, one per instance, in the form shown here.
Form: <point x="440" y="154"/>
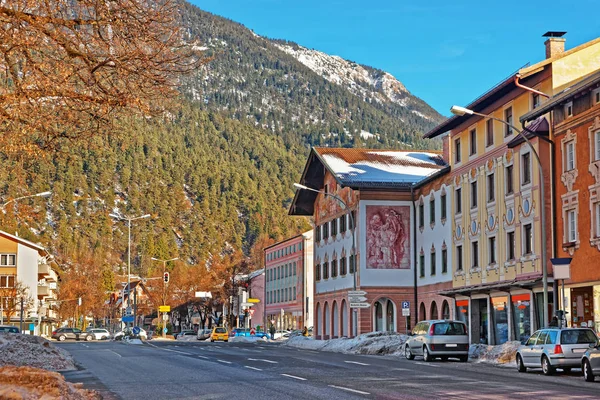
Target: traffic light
<point x="166" y="277"/>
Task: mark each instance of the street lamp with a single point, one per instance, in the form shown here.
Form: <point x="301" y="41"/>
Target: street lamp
<point x="345" y="206"/>
<point x="128" y="219"/>
<point x="460" y="111"/>
<point x="42" y="194"/>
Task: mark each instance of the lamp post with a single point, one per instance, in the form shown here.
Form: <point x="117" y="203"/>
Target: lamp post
<point x="460" y="111"/>
<point x="42" y="194"/>
<point x="128" y="219"/>
<point x="345" y="206"/>
<point x="164" y="334"/>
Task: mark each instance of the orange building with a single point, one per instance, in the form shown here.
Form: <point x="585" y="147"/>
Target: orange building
<point x="575" y="116"/>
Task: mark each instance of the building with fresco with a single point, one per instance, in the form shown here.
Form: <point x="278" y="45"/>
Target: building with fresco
<point x="368" y="246"/>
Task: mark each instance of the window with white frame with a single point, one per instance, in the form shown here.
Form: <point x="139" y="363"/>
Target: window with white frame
<point x="8" y="260"/>
<point x="570" y="155"/>
<point x="597" y="146"/>
<point x="571" y="226"/>
<point x="7" y="281"/>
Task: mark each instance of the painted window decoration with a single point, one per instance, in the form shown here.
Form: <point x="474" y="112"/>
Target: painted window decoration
<point x="597" y="149"/>
<point x="388" y="237"/>
<point x="572" y="226"/>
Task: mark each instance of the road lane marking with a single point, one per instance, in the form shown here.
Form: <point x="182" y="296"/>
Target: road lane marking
<point x="180" y="352"/>
<point x="254" y="368"/>
<point x="428" y="364"/>
<point x="225" y="362"/>
<point x="349" y="390"/>
<point x="356" y="362"/>
<point x="206" y="358"/>
<point x="262" y="359"/>
<point x="112" y="351"/>
<point x="294" y="377"/>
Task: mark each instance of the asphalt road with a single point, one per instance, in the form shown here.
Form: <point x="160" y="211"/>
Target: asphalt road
<point x="204" y="370"/>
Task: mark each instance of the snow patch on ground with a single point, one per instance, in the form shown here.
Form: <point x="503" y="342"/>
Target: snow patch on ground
<point x="33" y="351"/>
<point x="381" y="343"/>
<point x="503" y="354"/>
<point x="186" y="338"/>
<point x="247" y="339"/>
<point x="134" y="341"/>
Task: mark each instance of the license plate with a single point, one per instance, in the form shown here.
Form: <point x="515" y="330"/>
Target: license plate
<point x="579" y="350"/>
<point x="451" y="345"/>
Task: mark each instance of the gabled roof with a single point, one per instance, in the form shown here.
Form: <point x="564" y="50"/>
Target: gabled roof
<point x="364" y="169"/>
<point x="22" y="241"/>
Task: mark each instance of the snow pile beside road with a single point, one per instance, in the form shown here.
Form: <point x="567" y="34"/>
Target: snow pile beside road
<point x="369" y="343"/>
<point x="34" y="351"/>
<point x="247" y="339"/>
<point x="186" y="338"/>
<point x="27" y="383"/>
<point x="500" y="354"/>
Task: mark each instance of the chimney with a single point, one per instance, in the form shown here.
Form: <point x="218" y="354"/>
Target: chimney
<point x="555" y="44"/>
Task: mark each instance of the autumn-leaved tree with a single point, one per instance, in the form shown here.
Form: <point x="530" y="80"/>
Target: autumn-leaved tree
<point x="11" y="299"/>
<point x="70" y="68"/>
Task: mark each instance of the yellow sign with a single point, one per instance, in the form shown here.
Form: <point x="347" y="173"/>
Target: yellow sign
<point x="164" y="308"/>
<point x="251" y="300"/>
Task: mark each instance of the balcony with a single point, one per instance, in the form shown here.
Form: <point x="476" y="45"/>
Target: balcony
<point x="43" y="291"/>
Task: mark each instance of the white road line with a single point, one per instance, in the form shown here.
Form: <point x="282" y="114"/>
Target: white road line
<point x="428" y="364"/>
<point x="254" y="368"/>
<point x="180" y="352"/>
<point x="225" y="362"/>
<point x="356" y="362"/>
<point x="261" y="359"/>
<point x="349" y="390"/>
<point x="112" y="351"/>
<point x="206" y="358"/>
<point x="294" y="377"/>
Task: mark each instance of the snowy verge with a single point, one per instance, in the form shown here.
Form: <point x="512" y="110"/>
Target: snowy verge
<point x="503" y="354"/>
<point x="248" y="339"/>
<point x="33" y="351"/>
<point x="381" y="343"/>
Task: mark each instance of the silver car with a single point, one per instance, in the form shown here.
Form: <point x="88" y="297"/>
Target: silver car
<point x="553" y="348"/>
<point x="590" y="363"/>
<point x="438" y="339"/>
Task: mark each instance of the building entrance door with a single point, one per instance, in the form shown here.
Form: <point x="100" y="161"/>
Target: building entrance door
<point x="479" y="321"/>
<point x="582" y="307"/>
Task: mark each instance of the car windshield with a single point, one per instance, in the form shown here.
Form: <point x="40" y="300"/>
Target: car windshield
<point x="220" y="330"/>
<point x="10" y="329"/>
<point x="449" y="328"/>
<point x="578" y="336"/>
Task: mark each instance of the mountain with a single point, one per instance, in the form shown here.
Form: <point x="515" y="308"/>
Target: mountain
<point x="303" y="95"/>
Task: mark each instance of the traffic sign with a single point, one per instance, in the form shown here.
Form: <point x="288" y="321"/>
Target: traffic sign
<point x="246" y="304"/>
<point x="136" y="330"/>
<point x="164" y="308"/>
<point x="406" y="312"/>
<point x="406" y="304"/>
<point x="251" y="312"/>
<point x="357" y="299"/>
<point x="165" y="330"/>
<point x="252" y="332"/>
<point x="359" y="305"/>
<point x="128" y="318"/>
<point x="356" y="293"/>
<point x="252" y="300"/>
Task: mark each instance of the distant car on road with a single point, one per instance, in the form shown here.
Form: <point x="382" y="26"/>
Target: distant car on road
<point x="8" y="329"/>
<point x="282" y="334"/>
<point x="238" y="332"/>
<point x="203" y="334"/>
<point x="62" y="334"/>
<point x="99" y="333"/>
<point x="219" y="333"/>
<point x="552" y="348"/>
<point x="184" y="334"/>
<point x="438" y="339"/>
<point x="128" y="332"/>
<point x="590" y="363"/>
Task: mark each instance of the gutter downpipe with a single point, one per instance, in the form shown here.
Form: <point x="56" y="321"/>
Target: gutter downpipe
<point x="554" y="219"/>
<point x="416" y="298"/>
<point x="517" y="84"/>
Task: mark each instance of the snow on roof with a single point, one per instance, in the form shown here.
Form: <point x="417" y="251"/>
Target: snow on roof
<point x="380" y="166"/>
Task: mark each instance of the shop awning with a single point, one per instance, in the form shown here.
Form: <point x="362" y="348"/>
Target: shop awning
<point x="502" y="286"/>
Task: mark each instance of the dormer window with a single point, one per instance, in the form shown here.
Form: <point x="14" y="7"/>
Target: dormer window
<point x="569" y="110"/>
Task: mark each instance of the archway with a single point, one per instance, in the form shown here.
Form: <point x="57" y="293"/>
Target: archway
<point x="318" y="322"/>
<point x="344" y="321"/>
<point x="384" y="315"/>
<point x="422" y="314"/>
<point x="434" y="311"/>
<point x="390" y="321"/>
<point x="327" y="321"/>
<point x="445" y="310"/>
<point x="335" y="321"/>
<point x="378" y="316"/>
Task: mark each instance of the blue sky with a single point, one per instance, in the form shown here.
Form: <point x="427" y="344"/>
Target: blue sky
<point x="445" y="52"/>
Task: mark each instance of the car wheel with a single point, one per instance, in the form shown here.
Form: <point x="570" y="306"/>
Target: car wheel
<point x="520" y="366"/>
<point x="62" y="338"/>
<point x="547" y="368"/>
<point x="408" y="354"/>
<point x="88" y="338"/>
<point x="588" y="374"/>
<point x="212" y="341"/>
<point x="426" y="356"/>
<point x="226" y="340"/>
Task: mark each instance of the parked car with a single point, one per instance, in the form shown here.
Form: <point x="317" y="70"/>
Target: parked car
<point x="128" y="332"/>
<point x="590" y="363"/>
<point x="247" y="332"/>
<point x="281" y="334"/>
<point x="99" y="333"/>
<point x="203" y="334"/>
<point x="184" y="333"/>
<point x="552" y="348"/>
<point x="438" y="339"/>
<point x="8" y="329"/>
<point x="219" y="333"/>
<point x="62" y="334"/>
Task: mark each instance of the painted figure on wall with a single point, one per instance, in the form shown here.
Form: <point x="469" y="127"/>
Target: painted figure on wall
<point x="388" y="237"/>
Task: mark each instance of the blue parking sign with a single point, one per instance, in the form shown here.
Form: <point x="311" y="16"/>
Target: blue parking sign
<point x="406" y="304"/>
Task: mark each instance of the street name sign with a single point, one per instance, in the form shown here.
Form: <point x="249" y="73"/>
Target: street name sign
<point x="356" y="293"/>
<point x="359" y="305"/>
<point x="357" y="299"/>
<point x="164" y="308"/>
<point x="128" y="318"/>
<point x="252" y="300"/>
<point x="246" y="304"/>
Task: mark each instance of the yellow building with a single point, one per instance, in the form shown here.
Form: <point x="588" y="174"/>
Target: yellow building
<point x="496" y="201"/>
